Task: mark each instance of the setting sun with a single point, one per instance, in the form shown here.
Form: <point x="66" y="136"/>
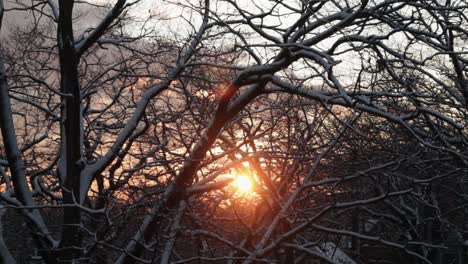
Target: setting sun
<point x="243" y="183"/>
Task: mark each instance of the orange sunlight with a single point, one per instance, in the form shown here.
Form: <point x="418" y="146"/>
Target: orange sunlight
<point x="243" y="184"/>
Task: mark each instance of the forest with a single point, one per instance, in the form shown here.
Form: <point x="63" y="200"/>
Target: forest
<point x="234" y="131"/>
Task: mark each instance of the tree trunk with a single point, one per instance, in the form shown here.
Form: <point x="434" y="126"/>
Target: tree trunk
<point x="70" y="244"/>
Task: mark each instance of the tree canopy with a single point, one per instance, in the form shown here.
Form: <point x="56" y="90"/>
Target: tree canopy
<point x="228" y="131"/>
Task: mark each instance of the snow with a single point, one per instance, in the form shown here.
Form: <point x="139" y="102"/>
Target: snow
<point x="330" y="250"/>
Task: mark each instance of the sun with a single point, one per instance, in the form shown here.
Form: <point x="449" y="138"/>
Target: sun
<point x="243" y="183"/>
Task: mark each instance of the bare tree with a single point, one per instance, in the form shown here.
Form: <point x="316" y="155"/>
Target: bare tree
<point x="125" y="132"/>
